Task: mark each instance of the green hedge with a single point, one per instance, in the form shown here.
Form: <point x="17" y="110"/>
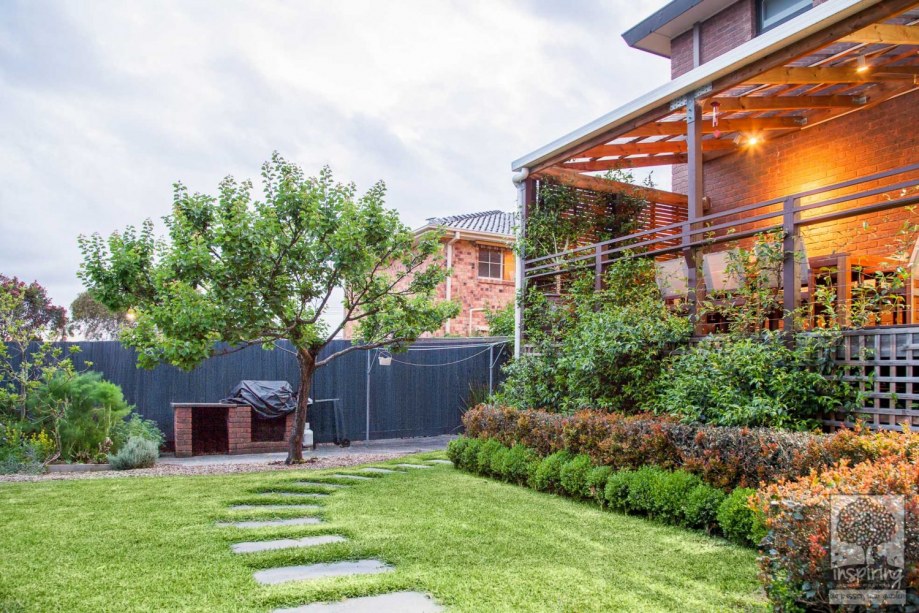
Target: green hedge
<point x="674" y="497"/>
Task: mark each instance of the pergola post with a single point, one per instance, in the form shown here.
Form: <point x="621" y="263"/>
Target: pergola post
<point x="694" y="192"/>
<point x="526" y="191"/>
<point x="791" y="268"/>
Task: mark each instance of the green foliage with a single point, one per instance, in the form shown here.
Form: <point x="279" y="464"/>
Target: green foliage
<point x="573" y="476"/>
<point x="754" y="381"/>
<point x="617" y="489"/>
<point x="501" y="321"/>
<point x="28" y="324"/>
<point x="520" y="464"/>
<point x="598" y="349"/>
<point x="483" y="462"/>
<point x="455" y="450"/>
<point x="24" y="453"/>
<point x="84" y="409"/>
<point x="95" y="321"/>
<point x="547" y="476"/>
<point x="245" y="272"/>
<point x="137" y="453"/>
<point x="136" y="426"/>
<point x="700" y="509"/>
<point x="596" y="482"/>
<point x="738" y="520"/>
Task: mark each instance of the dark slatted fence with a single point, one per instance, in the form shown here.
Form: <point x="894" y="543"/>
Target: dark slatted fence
<point x="423" y="392"/>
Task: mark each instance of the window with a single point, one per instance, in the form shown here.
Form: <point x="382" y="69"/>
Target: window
<point x="770" y="13"/>
<point x="491" y="263"/>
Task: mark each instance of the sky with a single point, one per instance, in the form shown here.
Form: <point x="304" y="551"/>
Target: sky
<point x="104" y="105"/>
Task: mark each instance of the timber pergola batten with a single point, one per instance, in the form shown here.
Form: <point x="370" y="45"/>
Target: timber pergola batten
<point x="842" y="57"/>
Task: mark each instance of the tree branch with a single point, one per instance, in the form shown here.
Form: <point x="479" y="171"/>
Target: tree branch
<point x="366" y="347"/>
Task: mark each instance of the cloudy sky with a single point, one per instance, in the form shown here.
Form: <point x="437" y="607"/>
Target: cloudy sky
<point x="103" y="105"/>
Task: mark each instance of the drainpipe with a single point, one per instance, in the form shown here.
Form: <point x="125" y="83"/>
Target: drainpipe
<point x="471" y="311"/>
<point x="449" y="290"/>
<point x="519" y="179"/>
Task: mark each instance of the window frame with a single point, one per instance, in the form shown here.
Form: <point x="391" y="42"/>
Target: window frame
<point x="801" y="6"/>
<point x="500" y="263"/>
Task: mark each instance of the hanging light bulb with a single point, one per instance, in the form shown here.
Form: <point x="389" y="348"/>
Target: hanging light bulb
<point x="862" y="65"/>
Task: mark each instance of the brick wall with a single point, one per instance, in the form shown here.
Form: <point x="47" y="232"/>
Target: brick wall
<point x="475" y="293"/>
<point x="861" y="143"/>
<point x="470" y="291"/>
<point x="239" y="431"/>
<point x="719" y="34"/>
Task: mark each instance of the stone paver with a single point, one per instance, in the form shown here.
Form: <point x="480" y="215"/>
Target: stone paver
<point x="381" y="471"/>
<point x="396" y="602"/>
<point x="333" y="486"/>
<point x="309" y="541"/>
<point x="439" y="462"/>
<point x="275" y="507"/>
<point x="296" y="494"/>
<point x="353" y="477"/>
<point x="413" y="466"/>
<point x="320" y="571"/>
<point x="295" y="521"/>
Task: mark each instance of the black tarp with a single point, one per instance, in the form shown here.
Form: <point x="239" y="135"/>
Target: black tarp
<point x="267" y="398"/>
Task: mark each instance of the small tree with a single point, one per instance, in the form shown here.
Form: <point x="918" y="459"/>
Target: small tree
<point x="29" y="323"/>
<point x="252" y="273"/>
<point x="95" y="321"/>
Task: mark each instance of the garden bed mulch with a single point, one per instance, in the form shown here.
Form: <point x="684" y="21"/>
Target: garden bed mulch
<point x="168" y="470"/>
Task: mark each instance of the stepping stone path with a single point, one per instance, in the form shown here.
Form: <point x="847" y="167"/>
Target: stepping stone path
<point x="296" y="521"/>
<point x="321" y="571"/>
<point x="309" y="541"/>
<point x="396" y="602"/>
<point x="275" y="507"/>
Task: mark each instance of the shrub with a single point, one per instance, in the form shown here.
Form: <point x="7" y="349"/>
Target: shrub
<point x="139" y="427"/>
<point x="573" y="476"/>
<point x="547" y="476"/>
<point x="483" y="462"/>
<point x="795" y="563"/>
<point x="471" y="454"/>
<point x="738" y="520"/>
<point x="754" y="381"/>
<point x="598" y="349"/>
<point x="455" y="449"/>
<point x="85" y="408"/>
<point x="24" y="453"/>
<point x="723" y="457"/>
<point x="519" y="465"/>
<point x="137" y="453"/>
<point x="700" y="508"/>
<point x="497" y="465"/>
<point x="616" y="492"/>
<point x="596" y="482"/>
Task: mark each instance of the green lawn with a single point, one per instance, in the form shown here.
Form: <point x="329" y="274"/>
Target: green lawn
<point x="151" y="544"/>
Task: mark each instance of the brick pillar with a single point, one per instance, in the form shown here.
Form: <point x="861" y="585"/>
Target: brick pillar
<point x="288" y="426"/>
<point x="239" y="429"/>
<point x="182" y="425"/>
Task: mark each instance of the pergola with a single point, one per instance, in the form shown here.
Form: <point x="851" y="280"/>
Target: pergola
<point x="844" y="56"/>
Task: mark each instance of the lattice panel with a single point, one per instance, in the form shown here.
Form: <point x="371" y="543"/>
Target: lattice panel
<point x="884" y="363"/>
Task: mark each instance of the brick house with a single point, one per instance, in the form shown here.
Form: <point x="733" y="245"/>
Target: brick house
<point x="478" y="247"/>
<point x="793" y="116"/>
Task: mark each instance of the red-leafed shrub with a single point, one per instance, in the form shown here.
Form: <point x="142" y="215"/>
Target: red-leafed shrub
<point x="796" y="561"/>
<point x="724" y="457"/>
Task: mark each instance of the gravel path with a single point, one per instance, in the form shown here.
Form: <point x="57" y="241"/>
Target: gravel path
<point x="167" y="470"/>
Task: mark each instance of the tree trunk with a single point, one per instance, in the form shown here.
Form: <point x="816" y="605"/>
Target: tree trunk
<point x="307" y="363"/>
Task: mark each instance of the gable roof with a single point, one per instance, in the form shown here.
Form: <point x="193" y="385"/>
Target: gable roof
<point x="485" y="222"/>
